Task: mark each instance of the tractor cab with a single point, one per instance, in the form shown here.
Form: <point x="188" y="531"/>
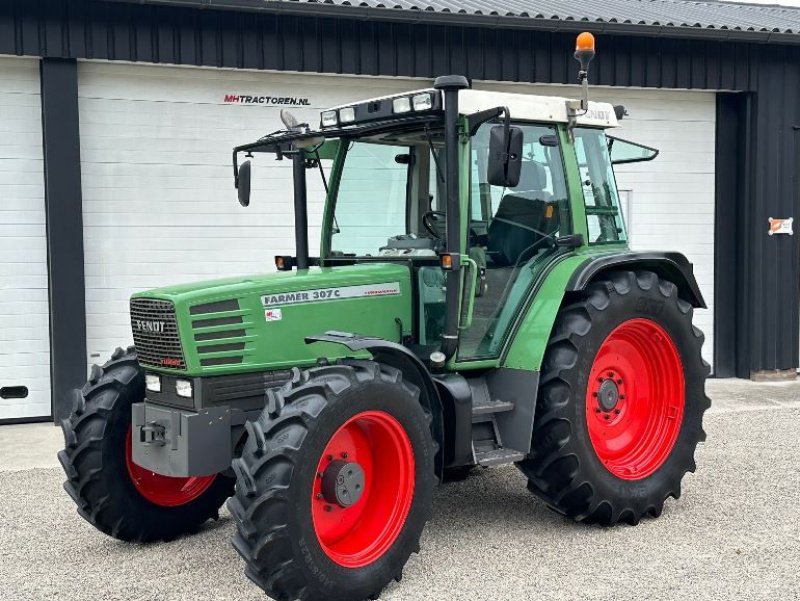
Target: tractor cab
<point x="477" y="200"/>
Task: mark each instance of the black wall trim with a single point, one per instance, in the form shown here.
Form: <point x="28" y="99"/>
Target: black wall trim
<point x="63" y="205"/>
<point x="11" y="421"/>
<point x="730" y="358"/>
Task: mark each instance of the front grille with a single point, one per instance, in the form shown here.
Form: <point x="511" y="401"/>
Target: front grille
<point x="155" y="333"/>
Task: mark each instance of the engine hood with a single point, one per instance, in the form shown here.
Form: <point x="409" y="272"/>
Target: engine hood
<point x="254" y="323"/>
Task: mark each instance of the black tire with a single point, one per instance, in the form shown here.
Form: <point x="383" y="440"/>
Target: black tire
<point x="277" y="469"/>
<point x="563" y="467"/>
<point x="94" y="461"/>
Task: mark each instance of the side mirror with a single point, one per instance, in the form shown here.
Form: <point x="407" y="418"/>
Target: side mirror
<point x="505" y="156"/>
<point x="243" y="183"/>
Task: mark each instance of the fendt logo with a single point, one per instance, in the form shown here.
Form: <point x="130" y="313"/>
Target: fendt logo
<point x="149" y="326"/>
<point x="257" y="99"/>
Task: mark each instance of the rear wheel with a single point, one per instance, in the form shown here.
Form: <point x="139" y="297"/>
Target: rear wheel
<point x="334" y="484"/>
<point x="113" y="493"/>
<point x="621" y="401"/>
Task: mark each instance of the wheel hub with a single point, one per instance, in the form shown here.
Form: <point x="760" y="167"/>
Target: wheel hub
<point x="635" y="399"/>
<point x="343" y="483"/>
<point x="363" y="489"/>
<point x="608" y="395"/>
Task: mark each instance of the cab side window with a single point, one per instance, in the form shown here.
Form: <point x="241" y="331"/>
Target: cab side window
<point x="603" y="215"/>
<point x="520" y="221"/>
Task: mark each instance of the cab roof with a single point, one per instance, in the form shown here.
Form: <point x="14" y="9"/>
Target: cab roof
<point x="525" y="107"/>
<point x="529" y="107"/>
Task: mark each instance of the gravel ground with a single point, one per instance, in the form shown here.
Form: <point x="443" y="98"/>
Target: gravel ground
<point x="734" y="533"/>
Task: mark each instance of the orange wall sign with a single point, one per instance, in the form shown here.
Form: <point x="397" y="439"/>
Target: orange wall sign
<point x="781" y="226"/>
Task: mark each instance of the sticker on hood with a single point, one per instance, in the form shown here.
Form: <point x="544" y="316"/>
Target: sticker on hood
<point x="329" y="294"/>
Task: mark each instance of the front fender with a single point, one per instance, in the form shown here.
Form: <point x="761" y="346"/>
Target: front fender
<point x="413" y="370"/>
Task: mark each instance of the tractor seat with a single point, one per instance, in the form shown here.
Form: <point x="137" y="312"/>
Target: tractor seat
<point x="524" y="217"/>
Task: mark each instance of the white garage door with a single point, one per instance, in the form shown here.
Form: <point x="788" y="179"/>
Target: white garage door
<point x="24" y="310"/>
<point x="670" y="200"/>
<point x="159" y="205"/>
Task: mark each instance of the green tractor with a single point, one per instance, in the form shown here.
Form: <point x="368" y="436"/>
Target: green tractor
<point x="474" y="303"/>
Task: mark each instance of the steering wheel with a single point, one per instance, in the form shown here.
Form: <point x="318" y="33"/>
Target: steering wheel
<point x="430" y="219"/>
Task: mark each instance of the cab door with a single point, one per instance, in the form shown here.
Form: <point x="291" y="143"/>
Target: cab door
<point x="511" y="237"/>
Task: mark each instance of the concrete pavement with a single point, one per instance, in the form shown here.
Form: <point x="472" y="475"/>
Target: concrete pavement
<point x="734" y="534"/>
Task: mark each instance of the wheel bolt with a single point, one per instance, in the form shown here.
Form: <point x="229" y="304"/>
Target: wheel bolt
<point x="607" y="416"/>
<point x="328" y="508"/>
<point x="616" y="411"/>
<point x="330" y="457"/>
<point x="619" y="381"/>
<point x="622" y="397"/>
<point x="597" y="410"/>
<point x="319" y="495"/>
<point x="319" y="474"/>
<point x="344" y="455"/>
<point x="594" y="394"/>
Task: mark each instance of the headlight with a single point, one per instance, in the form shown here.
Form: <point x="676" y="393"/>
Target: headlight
<point x="152" y="382"/>
<point x="422" y="102"/>
<point x="401" y="105"/>
<point x="347" y="114"/>
<point x="329" y="118"/>
<point x="184" y="388"/>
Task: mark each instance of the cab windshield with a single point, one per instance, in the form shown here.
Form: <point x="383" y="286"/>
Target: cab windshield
<point x="388" y="197"/>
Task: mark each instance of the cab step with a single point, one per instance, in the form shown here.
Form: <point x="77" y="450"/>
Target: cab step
<point x="483" y="405"/>
<point x="491" y="407"/>
<point x="498" y="457"/>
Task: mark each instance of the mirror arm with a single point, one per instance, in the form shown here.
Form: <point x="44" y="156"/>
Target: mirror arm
<point x="506" y="139"/>
<point x="477" y="119"/>
<point x="236" y="168"/>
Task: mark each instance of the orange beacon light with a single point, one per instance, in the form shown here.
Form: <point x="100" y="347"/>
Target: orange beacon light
<point x="584" y="49"/>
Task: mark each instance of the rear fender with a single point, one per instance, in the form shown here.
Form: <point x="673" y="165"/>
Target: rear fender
<point x="672" y="266"/>
<point x="574" y="274"/>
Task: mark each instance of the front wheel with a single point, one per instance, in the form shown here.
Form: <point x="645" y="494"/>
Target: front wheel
<point x="334" y="484"/>
<point x="621" y="401"/>
<point x="113" y="493"/>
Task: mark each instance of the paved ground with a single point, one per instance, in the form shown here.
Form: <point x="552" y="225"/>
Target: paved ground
<point x="735" y="533"/>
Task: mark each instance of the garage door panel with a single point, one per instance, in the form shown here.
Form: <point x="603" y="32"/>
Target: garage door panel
<point x="24" y="310"/>
<point x="35" y="375"/>
<point x="34" y="346"/>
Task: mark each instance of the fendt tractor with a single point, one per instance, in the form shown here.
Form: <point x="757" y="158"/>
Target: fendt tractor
<point x="474" y="303"/>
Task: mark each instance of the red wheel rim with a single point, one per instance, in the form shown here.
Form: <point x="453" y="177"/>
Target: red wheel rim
<point x="635" y="399"/>
<point x="165" y="491"/>
<point x="359" y="534"/>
